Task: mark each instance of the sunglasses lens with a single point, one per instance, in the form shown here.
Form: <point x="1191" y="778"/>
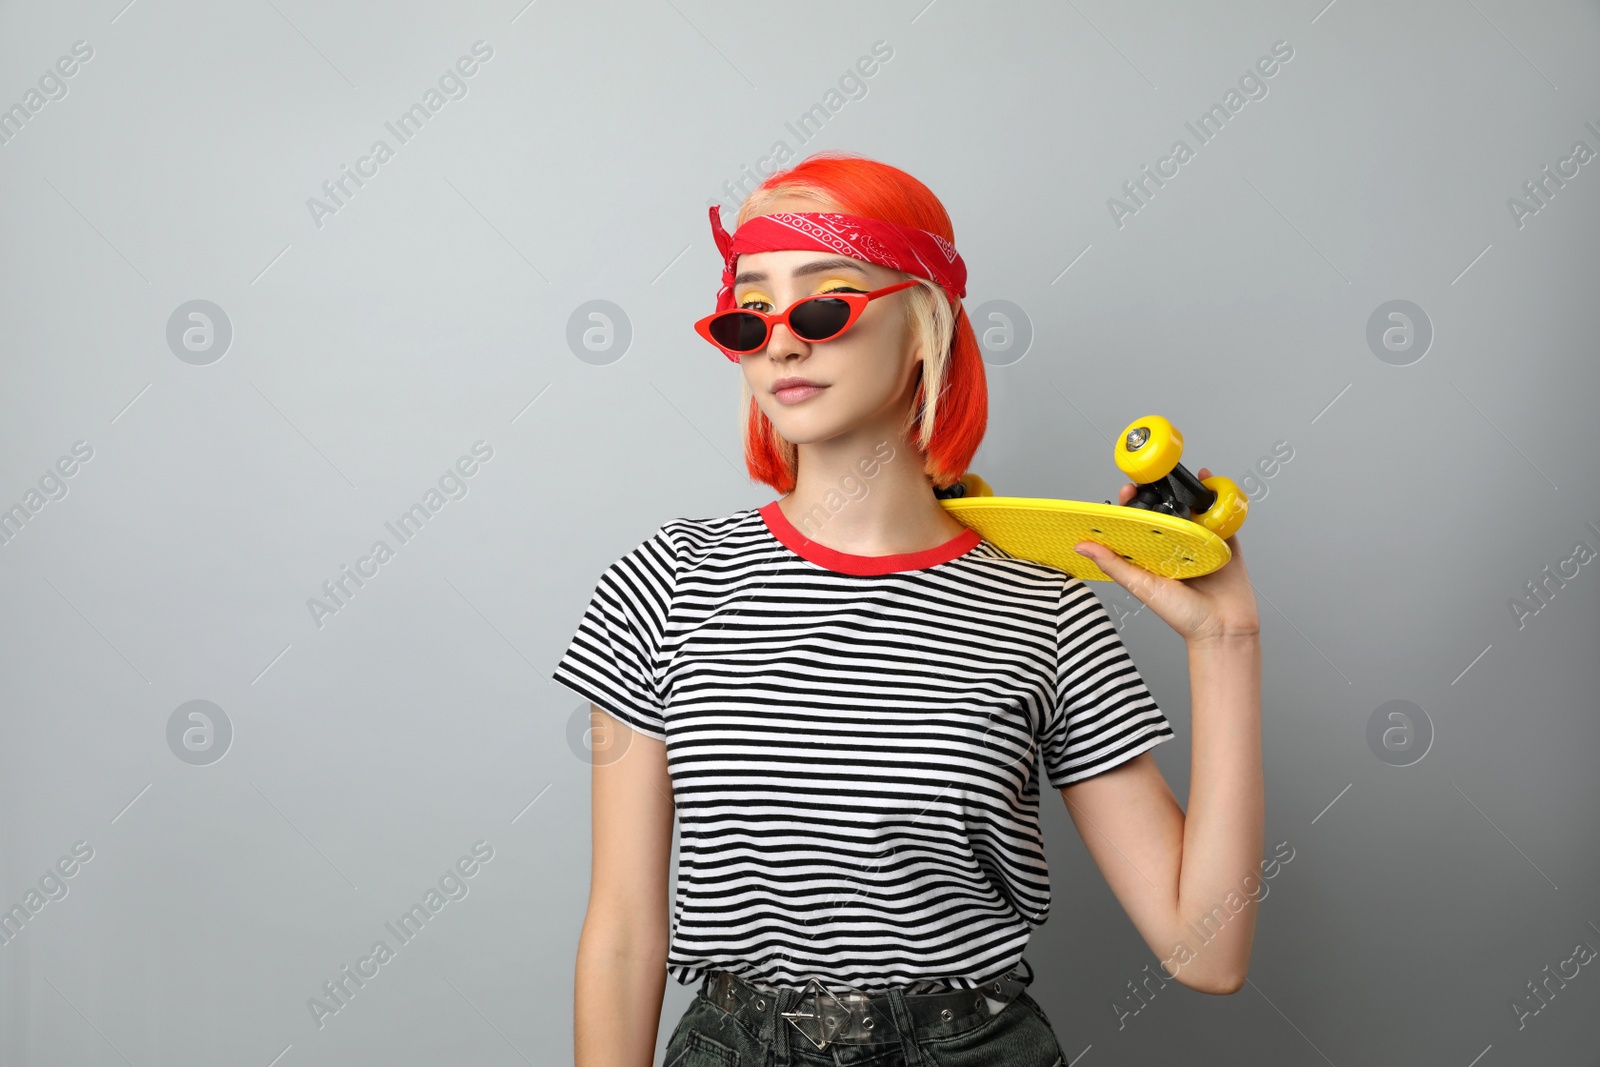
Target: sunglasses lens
<point x="819" y="319"/>
<point x="739" y="331"/>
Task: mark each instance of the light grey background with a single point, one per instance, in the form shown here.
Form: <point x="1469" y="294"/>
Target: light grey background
<point x="432" y="310"/>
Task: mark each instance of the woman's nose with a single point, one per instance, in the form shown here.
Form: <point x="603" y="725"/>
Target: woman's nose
<point x="783" y="342"/>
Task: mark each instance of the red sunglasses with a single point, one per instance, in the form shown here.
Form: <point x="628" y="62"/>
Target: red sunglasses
<point x="740" y="331"/>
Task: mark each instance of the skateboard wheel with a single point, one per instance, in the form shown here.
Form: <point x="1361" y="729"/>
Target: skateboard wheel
<point x="1227" y="512"/>
<point x="976" y="486"/>
<point x="1148" y="449"/>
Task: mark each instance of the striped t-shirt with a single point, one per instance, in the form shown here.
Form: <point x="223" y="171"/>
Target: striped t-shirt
<point x="853" y="742"/>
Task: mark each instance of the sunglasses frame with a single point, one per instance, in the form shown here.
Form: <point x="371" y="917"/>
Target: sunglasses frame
<point x="857" y="301"/>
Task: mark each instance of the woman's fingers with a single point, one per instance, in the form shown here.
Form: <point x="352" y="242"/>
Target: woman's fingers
<point x="1130" y="576"/>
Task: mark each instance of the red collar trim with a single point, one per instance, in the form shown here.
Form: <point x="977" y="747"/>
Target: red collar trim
<point x="850" y="563"/>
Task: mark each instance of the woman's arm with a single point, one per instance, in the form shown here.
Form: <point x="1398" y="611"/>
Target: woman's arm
<point x="622" y="951"/>
<point x="1190" y="882"/>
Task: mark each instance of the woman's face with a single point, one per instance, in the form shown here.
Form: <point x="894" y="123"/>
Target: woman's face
<point x="868" y="374"/>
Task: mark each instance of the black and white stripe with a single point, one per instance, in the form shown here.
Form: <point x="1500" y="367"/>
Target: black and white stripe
<point x="855" y="756"/>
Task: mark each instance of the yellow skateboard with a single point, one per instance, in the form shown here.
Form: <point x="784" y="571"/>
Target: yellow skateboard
<point x="1175" y="524"/>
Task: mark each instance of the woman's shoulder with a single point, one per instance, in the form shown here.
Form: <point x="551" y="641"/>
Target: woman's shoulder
<point x="709" y="527"/>
<point x="681" y="540"/>
<point x="687" y="533"/>
<point x="992" y="556"/>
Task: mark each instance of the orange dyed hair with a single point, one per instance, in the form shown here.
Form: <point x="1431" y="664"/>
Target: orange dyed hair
<point x="947" y="431"/>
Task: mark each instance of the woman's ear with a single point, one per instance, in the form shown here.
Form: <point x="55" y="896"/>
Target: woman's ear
<point x="919" y="351"/>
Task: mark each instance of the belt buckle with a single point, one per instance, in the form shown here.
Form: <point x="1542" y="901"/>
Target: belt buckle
<point x="816" y="990"/>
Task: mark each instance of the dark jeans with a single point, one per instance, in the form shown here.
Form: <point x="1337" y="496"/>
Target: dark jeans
<point x="707" y="1036"/>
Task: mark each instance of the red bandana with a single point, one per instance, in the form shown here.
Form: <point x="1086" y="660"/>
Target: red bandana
<point x="888" y="244"/>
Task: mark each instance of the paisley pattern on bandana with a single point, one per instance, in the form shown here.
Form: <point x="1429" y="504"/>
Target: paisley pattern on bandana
<point x="888" y="244"/>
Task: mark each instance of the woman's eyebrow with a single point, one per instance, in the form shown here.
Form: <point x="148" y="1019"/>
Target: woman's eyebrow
<point x="815" y="267"/>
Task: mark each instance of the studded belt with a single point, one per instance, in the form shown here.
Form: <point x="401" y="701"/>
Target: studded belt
<point x="829" y="1013"/>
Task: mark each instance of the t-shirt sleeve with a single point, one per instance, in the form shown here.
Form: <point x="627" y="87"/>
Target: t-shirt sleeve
<point x="1103" y="713"/>
<point x="613" y="659"/>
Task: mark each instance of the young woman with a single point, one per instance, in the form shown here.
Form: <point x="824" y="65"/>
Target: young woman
<point x="844" y="696"/>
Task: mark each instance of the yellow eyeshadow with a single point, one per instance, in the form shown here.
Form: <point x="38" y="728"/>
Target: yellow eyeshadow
<point x="831" y="283"/>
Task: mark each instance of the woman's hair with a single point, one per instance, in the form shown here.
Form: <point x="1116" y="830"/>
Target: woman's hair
<point x="947" y="430"/>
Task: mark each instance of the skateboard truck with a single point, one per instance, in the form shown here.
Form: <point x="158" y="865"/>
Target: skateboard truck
<point x="1148" y="453"/>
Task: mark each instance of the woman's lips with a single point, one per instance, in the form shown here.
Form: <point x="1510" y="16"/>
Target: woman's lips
<point x="796" y="393"/>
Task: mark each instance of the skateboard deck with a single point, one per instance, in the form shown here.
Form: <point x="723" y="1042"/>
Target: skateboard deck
<point x="1045" y="530"/>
